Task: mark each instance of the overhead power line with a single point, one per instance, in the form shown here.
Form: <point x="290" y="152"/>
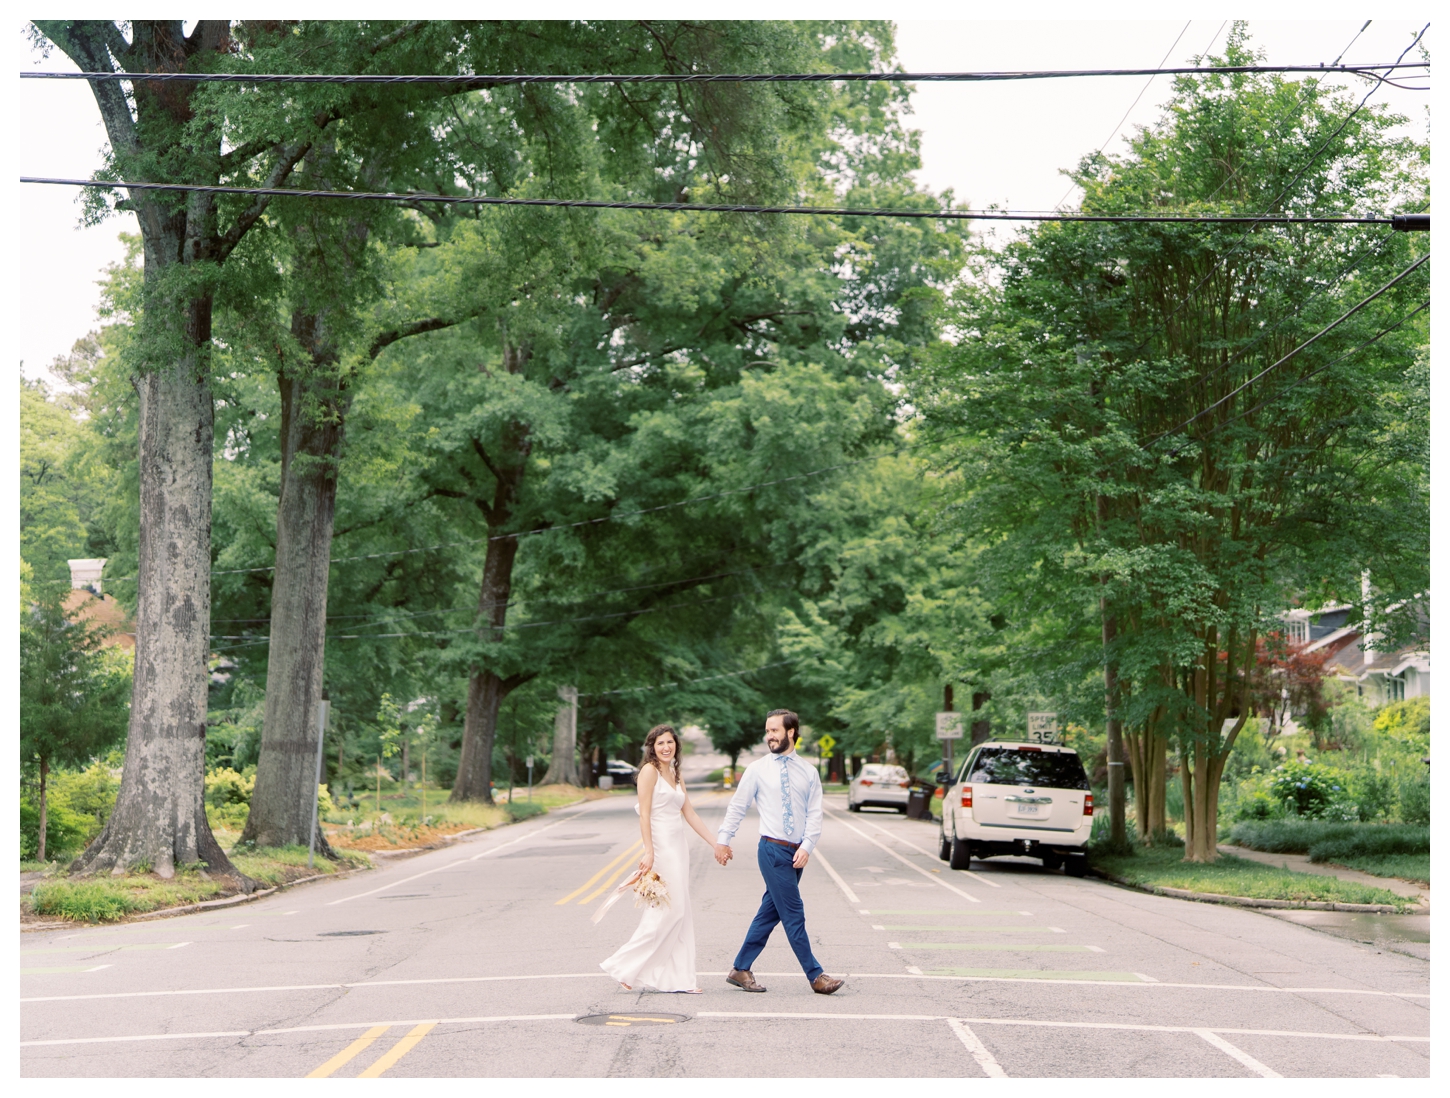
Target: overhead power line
<point x="1314" y="372"/>
<point x="1404" y="222"/>
<point x="467" y="81"/>
<point x="1411" y="269"/>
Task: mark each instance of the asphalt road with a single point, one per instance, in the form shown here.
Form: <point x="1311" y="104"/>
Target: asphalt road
<point x="480" y="960"/>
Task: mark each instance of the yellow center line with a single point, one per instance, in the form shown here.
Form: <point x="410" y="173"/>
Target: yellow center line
<point x="638" y="845"/>
<point x="348" y="1053"/>
<point x="398" y="1051"/>
<point x="610" y="882"/>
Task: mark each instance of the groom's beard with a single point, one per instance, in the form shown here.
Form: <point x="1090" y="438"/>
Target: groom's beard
<point x="780" y="747"/>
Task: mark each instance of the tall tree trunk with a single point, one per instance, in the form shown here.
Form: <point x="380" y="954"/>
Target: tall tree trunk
<point x="314" y="403"/>
<point x="563" y="763"/>
<point x="1117" y="788"/>
<point x="44" y="774"/>
<point x="159" y="818"/>
<point x="486" y="686"/>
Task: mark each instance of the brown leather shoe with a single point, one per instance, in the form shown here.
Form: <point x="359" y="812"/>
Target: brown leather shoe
<point x="826" y="985"/>
<point x="742" y="979"/>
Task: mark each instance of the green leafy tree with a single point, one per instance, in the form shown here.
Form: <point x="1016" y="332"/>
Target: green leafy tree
<point x="73" y="692"/>
<point x="1162" y="540"/>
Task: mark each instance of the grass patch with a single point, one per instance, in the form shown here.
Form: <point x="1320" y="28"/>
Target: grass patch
<point x="403" y="822"/>
<point x="1151" y="867"/>
<point x="106" y="899"/>
<point x="1409" y="867"/>
<point x="1385" y="850"/>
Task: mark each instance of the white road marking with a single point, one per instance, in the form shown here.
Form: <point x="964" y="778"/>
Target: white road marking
<point x="601" y="975"/>
<point x="912" y="865"/>
<point x="893" y="945"/>
<point x="875" y="927"/>
<point x="1238" y="1054"/>
<point x="305" y="1029"/>
<point x="1062" y="1025"/>
<point x="913" y="970"/>
<point x="842" y="885"/>
<point x="985" y="1060"/>
<point x="929" y="854"/>
<point x="458" y="861"/>
<point x="1097" y="949"/>
<point x="1057" y="930"/>
<point x="1145" y="978"/>
<point x="178" y="945"/>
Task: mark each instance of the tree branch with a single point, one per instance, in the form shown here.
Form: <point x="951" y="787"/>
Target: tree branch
<point x="280" y="172"/>
<point x="384" y="340"/>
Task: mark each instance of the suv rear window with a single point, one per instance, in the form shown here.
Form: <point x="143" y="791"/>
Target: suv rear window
<point x="1013" y="766"/>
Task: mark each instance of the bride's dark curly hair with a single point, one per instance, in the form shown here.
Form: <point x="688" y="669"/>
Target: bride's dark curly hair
<point x="651" y="759"/>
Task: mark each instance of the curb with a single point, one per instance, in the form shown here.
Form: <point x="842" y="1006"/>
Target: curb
<point x="205" y="905"/>
<point x="1247" y="901"/>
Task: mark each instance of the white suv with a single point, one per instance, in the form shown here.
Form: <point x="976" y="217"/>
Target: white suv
<point x="1018" y="798"/>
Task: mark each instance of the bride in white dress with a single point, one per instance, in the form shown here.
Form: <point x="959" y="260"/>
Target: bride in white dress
<point x="661" y="954"/>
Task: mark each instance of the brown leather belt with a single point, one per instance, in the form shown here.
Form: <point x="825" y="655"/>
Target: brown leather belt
<point x="779" y="842"/>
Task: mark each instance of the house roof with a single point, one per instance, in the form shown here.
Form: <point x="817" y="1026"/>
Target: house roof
<point x="82" y="605"/>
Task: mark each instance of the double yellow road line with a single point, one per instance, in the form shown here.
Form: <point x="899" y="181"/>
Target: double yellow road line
<point x="383" y="1062"/>
<point x="614" y="869"/>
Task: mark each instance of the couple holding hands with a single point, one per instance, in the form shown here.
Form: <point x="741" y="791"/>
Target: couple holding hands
<point x="786" y="791"/>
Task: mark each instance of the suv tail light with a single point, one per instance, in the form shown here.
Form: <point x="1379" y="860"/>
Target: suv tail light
<point x="966" y="796"/>
<point x="904" y="785"/>
<point x="866" y="781"/>
<point x="1087" y="804"/>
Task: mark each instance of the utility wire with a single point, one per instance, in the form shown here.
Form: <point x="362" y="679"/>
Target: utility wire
<point x="1312" y="373"/>
<point x="1312" y="339"/>
<point x="702" y="207"/>
<point x="690" y="682"/>
<point x="468" y="81"/>
<point x="1135" y="102"/>
<point x="1352" y="41"/>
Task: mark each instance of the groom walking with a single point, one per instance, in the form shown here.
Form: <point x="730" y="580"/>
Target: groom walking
<point x="786" y="791"/>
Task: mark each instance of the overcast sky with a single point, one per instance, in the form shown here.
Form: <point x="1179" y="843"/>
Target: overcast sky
<point x="998" y="143"/>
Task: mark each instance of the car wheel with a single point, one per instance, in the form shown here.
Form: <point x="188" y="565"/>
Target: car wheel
<point x="902" y="810"/>
<point x="960" y="855"/>
<point x="944" y="850"/>
<point x="1077" y="865"/>
<point x="1052" y="861"/>
<point x="852" y="806"/>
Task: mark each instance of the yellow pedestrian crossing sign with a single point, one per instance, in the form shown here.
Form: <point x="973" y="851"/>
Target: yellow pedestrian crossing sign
<point x="825" y="743"/>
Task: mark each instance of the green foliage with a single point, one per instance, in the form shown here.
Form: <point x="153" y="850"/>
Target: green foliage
<point x="1310" y="790"/>
<point x="1151" y="867"/>
<point x="1300" y="836"/>
<point x="1414" y="798"/>
<point x="65" y="830"/>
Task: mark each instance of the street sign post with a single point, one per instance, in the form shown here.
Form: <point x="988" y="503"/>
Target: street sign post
<point x="529" y="762"/>
<point x="1042" y="728"/>
<point x="823" y="748"/>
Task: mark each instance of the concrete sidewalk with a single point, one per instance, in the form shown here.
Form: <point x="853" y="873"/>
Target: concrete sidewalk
<point x="1300" y="863"/>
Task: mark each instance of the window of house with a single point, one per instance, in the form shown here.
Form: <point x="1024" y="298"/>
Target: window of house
<point x="1395" y="688"/>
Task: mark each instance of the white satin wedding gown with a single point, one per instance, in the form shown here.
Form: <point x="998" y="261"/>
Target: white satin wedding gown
<point x="661" y="954"/>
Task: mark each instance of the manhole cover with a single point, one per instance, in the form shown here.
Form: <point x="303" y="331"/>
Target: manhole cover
<point x="632" y="1019"/>
<point x="349" y="933"/>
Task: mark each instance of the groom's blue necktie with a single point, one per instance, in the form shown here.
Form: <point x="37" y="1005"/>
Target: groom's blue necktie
<point x="787" y="817"/>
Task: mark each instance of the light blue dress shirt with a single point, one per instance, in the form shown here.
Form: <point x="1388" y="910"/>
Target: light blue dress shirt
<point x="761" y="785"/>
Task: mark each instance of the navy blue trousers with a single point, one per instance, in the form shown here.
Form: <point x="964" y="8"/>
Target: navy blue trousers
<point x="780" y="904"/>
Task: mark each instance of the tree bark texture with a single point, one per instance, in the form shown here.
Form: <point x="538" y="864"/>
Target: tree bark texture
<point x="44" y="774"/>
<point x="1148" y="758"/>
<point x="159" y="819"/>
<point x="1117" y="789"/>
<point x="314" y="403"/>
<point x="563" y="765"/>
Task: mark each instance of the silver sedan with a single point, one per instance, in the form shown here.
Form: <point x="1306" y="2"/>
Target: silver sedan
<point x="879" y="786"/>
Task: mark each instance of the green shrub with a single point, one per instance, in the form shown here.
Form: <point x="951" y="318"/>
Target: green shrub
<point x="1415" y="798"/>
<point x="1312" y="790"/>
<point x="90" y="793"/>
<point x="64" y="830"/>
<point x="1368" y="842"/>
<point x="1373" y="794"/>
<point x="84" y="901"/>
<point x="522" y="810"/>
<point x="224" y="787"/>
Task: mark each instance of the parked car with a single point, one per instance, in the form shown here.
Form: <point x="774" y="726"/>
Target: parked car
<point x="1025" y="799"/>
<point x="621" y="772"/>
<point x="879" y="786"/>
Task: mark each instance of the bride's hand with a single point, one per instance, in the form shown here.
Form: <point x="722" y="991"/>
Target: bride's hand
<point x="647" y="862"/>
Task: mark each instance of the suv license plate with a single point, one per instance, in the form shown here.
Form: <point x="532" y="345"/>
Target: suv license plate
<point x="1027" y="809"/>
